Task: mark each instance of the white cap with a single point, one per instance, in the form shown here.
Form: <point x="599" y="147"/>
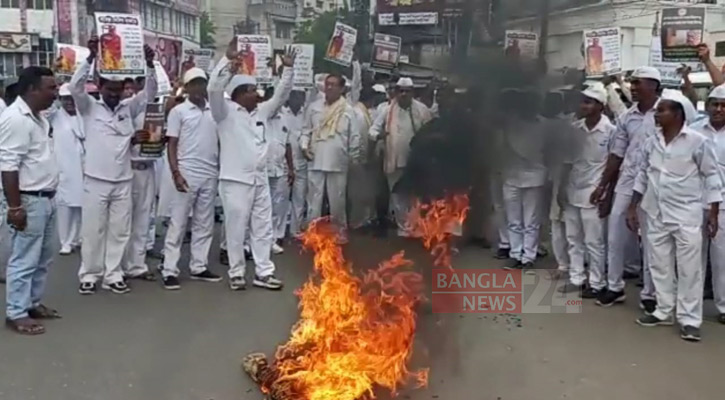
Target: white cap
<point x="405" y="83"/>
<point x="717" y="93"/>
<point x="647" y="73"/>
<point x="239" y="80"/>
<point x="64" y="90"/>
<point x="194" y="73"/>
<point x="597" y="92"/>
<point x="378" y="88"/>
<point x="678" y="97"/>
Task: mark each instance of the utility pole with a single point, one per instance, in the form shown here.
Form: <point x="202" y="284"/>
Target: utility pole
<point x="544" y="34"/>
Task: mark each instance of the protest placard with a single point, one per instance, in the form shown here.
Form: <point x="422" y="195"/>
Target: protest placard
<point x="255" y="52"/>
<point x="682" y="30"/>
<point x="342" y="44"/>
<point x="602" y="52"/>
<point x="386" y="51"/>
<point x="120" y="45"/>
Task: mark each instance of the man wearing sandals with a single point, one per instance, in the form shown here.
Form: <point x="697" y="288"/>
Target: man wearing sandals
<point x="30" y="176"/>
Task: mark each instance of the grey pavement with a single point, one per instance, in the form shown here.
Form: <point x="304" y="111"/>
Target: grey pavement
<point x="188" y="344"/>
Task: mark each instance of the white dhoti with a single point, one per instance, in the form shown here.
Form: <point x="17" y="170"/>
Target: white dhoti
<point x="716" y="248"/>
<point x="280" y="192"/>
<point x="334" y="185"/>
<point x="106" y="229"/>
<point x="299" y="196"/>
<point x="361" y="195"/>
<point x="143" y="192"/>
<point x="248" y="208"/>
<point x="523" y="213"/>
<point x="585" y="235"/>
<point x="199" y="200"/>
<point x="69" y="226"/>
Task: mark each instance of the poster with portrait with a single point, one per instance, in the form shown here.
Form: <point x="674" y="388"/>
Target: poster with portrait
<point x="521" y="45"/>
<point x="168" y="53"/>
<point x="342" y="44"/>
<point x="120" y="45"/>
<point x="386" y="51"/>
<point x="199" y="58"/>
<point x="602" y="52"/>
<point x="154" y="125"/>
<point x="255" y="53"/>
<point x="69" y="57"/>
<point x="682" y="30"/>
<point x="668" y="70"/>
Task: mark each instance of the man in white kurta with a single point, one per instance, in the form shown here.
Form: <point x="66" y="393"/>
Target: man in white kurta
<point x="294" y="120"/>
<point x="244" y="185"/>
<point x="281" y="175"/>
<point x="193" y="152"/>
<point x="330" y="143"/>
<point x="109" y="127"/>
<point x="397" y="123"/>
<point x="68" y="138"/>
<point x="677" y="172"/>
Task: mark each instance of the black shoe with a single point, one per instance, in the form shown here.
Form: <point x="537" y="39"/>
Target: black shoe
<point x="571" y="288"/>
<point x="721" y="318"/>
<point x="528" y="268"/>
<point x="268" y="282"/>
<point x="248" y="255"/>
<point x="223" y="257"/>
<point x="591" y="293"/>
<point x="187" y="238"/>
<point x="690" y="333"/>
<point x="609" y="298"/>
<point x="512" y="264"/>
<point x="206" y="276"/>
<point x="171" y="283"/>
<point x="651" y="320"/>
<point x="649" y="306"/>
<point x="627" y="275"/>
<point x="502" y="254"/>
<point x="87" y="288"/>
<point x="156" y="255"/>
<point x="117" y="287"/>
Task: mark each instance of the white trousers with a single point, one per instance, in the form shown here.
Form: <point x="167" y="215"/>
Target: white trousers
<point x="499" y="214"/>
<point x="199" y="201"/>
<point x="280" y="191"/>
<point x="248" y="207"/>
<point x="716" y="248"/>
<point x="680" y="245"/>
<point x="143" y="193"/>
<point x="648" y="287"/>
<point x="106" y="229"/>
<point x="585" y="234"/>
<point x="399" y="202"/>
<point x="361" y="195"/>
<point x="299" y="196"/>
<point x="69" y="226"/>
<point x="619" y="238"/>
<point x="559" y="244"/>
<point x="335" y="185"/>
<point x="523" y="213"/>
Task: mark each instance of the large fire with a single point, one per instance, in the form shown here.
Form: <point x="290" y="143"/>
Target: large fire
<point x="354" y="333"/>
<point x="435" y="222"/>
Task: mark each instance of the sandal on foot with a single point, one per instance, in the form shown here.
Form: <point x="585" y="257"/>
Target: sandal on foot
<point x="25" y="326"/>
<point x="43" y="312"/>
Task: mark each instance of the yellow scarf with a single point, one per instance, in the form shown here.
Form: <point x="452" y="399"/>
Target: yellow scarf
<point x="328" y="127"/>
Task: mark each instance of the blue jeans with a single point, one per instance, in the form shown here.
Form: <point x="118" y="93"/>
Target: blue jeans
<point x="32" y="253"/>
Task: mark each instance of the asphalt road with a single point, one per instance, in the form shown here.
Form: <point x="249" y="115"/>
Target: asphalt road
<point x="188" y="344"/>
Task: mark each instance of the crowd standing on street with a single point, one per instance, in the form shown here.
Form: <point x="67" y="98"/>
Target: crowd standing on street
<point x="631" y="179"/>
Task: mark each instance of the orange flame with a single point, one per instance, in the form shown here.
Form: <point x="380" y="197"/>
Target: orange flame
<point x="435" y="222"/>
<point x="354" y="333"/>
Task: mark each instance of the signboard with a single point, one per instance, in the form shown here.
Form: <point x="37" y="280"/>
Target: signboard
<point x="15" y="43"/>
<point x="668" y="70"/>
<point x="70" y="58"/>
<point x="342" y="44"/>
<point x="425" y="18"/>
<point x="120" y="45"/>
<point x="521" y="44"/>
<point x="255" y="51"/>
<point x="64" y="15"/>
<point x="602" y="51"/>
<point x="154" y="124"/>
<point x="188" y="6"/>
<point x="200" y="58"/>
<point x="304" y="74"/>
<point x="386" y="51"/>
<point x="162" y="79"/>
<point x="168" y="53"/>
<point x="682" y="30"/>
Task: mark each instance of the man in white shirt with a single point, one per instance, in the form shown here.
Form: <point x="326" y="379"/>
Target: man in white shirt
<point x="678" y="171"/>
<point x="330" y="142"/>
<point x="294" y="119"/>
<point x="714" y="128"/>
<point x="30" y="177"/>
<point x="397" y="123"/>
<point x="244" y="186"/>
<point x="280" y="170"/>
<point x="107" y="202"/>
<point x="68" y="138"/>
<point x="361" y="195"/>
<point x="193" y="152"/>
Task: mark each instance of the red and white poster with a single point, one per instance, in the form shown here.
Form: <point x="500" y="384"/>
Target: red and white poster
<point x="255" y="52"/>
<point x="121" y="44"/>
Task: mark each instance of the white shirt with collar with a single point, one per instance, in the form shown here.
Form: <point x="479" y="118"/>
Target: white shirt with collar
<point x="588" y="166"/>
<point x="278" y="136"/>
<point x="717" y="136"/>
<point x="3" y="106"/>
<point x="335" y="153"/>
<point x="295" y="123"/>
<point x="674" y="178"/>
<point x="198" y="149"/>
<point x="109" y="132"/>
<point x="243" y="136"/>
<point x="633" y="129"/>
<point x="25" y="147"/>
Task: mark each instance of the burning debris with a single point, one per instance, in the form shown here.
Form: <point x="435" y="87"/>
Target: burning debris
<point x="435" y="222"/>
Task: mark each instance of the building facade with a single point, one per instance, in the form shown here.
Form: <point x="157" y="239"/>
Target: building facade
<point x="225" y="14"/>
<point x="276" y="18"/>
<point x="26" y="34"/>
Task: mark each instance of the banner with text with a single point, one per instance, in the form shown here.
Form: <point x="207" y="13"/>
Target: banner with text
<point x="255" y="52"/>
<point x="682" y="30"/>
<point x="386" y="51"/>
<point x="342" y="44"/>
<point x="521" y="44"/>
<point x="120" y="45"/>
<point x="603" y="51"/>
<point x="199" y="58"/>
<point x="668" y="70"/>
<point x="304" y="73"/>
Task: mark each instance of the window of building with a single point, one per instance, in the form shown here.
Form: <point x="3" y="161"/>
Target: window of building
<point x="283" y="30"/>
<point x="11" y="64"/>
<point x="187" y="26"/>
<point x="155" y="18"/>
<point x="42" y="54"/>
<point x="39" y="4"/>
<point x="9" y="3"/>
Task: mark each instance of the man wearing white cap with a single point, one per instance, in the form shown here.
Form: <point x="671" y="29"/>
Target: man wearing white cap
<point x="244" y="185"/>
<point x="397" y="123"/>
<point x="193" y="153"/>
<point x="614" y="192"/>
<point x="714" y="128"/>
<point x="68" y="138"/>
<point x="107" y="202"/>
<point x="678" y="170"/>
<point x="584" y="227"/>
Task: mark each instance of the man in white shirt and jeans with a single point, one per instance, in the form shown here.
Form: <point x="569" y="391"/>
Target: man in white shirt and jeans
<point x="109" y="125"/>
<point x="193" y="152"/>
<point x="30" y="177"/>
<point x="678" y="170"/>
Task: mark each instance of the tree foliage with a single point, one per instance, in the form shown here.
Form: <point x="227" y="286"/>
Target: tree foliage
<point x="207" y="30"/>
<point x="318" y="31"/>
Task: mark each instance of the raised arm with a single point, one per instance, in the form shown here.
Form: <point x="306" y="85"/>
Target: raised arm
<point x="151" y="88"/>
<point x="355" y="84"/>
<point x="715" y="73"/>
<point x="283" y="88"/>
<point x="77" y="84"/>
